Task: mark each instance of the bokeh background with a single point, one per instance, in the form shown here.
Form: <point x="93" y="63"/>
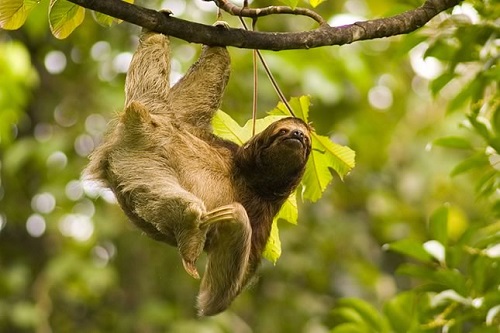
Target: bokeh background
<point x="71" y="262"/>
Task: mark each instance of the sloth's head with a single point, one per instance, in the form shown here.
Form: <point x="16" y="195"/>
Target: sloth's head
<point x="285" y="143"/>
<point x="275" y="158"/>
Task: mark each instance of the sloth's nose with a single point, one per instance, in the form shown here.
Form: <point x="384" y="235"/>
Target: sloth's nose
<point x="298" y="134"/>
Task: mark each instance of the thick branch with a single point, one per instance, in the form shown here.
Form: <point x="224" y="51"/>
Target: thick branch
<point x="323" y="36"/>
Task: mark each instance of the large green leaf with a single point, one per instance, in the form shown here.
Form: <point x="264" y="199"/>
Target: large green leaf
<point x="227" y="128"/>
<point x="64" y="17"/>
<point x="272" y="251"/>
<point x="13" y="13"/>
<point x="325" y="155"/>
<point x="288" y="213"/>
<point x="299" y="105"/>
<point x="289" y="210"/>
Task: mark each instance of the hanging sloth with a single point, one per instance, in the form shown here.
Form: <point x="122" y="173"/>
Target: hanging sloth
<point x="183" y="185"/>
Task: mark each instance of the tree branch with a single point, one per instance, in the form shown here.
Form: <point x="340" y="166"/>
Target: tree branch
<point x="232" y="9"/>
<point x="323" y="36"/>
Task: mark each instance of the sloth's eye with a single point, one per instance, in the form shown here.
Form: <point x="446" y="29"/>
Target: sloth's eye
<point x="282" y="131"/>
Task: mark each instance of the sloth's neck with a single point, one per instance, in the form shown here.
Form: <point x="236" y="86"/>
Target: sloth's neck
<point x="273" y="186"/>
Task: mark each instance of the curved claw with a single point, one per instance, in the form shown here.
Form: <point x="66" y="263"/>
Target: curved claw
<point x="166" y="12"/>
<point x="191" y="269"/>
<point x="221" y="24"/>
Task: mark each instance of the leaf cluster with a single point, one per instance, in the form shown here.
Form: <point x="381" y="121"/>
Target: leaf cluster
<point x="457" y="278"/>
<point x="471" y="58"/>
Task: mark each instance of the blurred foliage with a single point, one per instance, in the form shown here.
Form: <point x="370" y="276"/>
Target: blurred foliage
<point x="409" y="242"/>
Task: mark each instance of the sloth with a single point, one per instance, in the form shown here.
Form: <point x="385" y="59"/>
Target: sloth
<point x="182" y="185"/>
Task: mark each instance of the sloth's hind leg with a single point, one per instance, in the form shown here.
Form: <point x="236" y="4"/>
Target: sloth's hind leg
<point x="175" y="213"/>
<point x="228" y="252"/>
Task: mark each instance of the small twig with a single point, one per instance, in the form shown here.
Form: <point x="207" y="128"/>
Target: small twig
<point x="270" y="10"/>
<point x="255" y="83"/>
<point x="270" y="75"/>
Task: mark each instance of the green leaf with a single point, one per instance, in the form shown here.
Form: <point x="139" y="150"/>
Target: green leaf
<point x="349" y="328"/>
<point x="441" y="279"/>
<point x="471" y="89"/>
<point x="300" y="107"/>
<point x="410" y="248"/>
<point x="13" y="13"/>
<point x="438" y="225"/>
<point x="64" y="17"/>
<point x="365" y="312"/>
<point x="487" y="184"/>
<point x="315" y="3"/>
<point x="291" y="3"/>
<point x="440" y="82"/>
<point x="401" y="316"/>
<point x="451" y="278"/>
<point x="289" y="213"/>
<point x="227" y="128"/>
<point x="325" y="155"/>
<point x="416" y="271"/>
<point x="476" y="161"/>
<point x="272" y="251"/>
<point x="481" y="126"/>
<point x="106" y="20"/>
<point x="340" y="158"/>
<point x="453" y="142"/>
<point x="289" y="210"/>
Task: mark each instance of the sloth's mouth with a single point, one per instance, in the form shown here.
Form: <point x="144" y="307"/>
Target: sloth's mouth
<point x="295" y="139"/>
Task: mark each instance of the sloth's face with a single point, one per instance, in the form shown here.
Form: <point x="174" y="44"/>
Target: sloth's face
<point x="285" y="144"/>
<point x="290" y="132"/>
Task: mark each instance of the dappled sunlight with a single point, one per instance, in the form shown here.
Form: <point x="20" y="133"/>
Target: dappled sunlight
<point x="55" y="62"/>
<point x="77" y="226"/>
<point x="43" y="203"/>
<point x="36" y="225"/>
<point x="74" y="190"/>
<point x="84" y="145"/>
<point x="380" y="97"/>
<point x="428" y="67"/>
<point x="57" y="160"/>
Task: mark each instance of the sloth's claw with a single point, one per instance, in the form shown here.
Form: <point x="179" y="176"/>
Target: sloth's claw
<point x="221" y="24"/>
<point x="190" y="268"/>
<point x="166" y="12"/>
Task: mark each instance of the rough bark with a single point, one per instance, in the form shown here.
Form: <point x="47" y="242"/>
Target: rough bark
<point x="325" y="35"/>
